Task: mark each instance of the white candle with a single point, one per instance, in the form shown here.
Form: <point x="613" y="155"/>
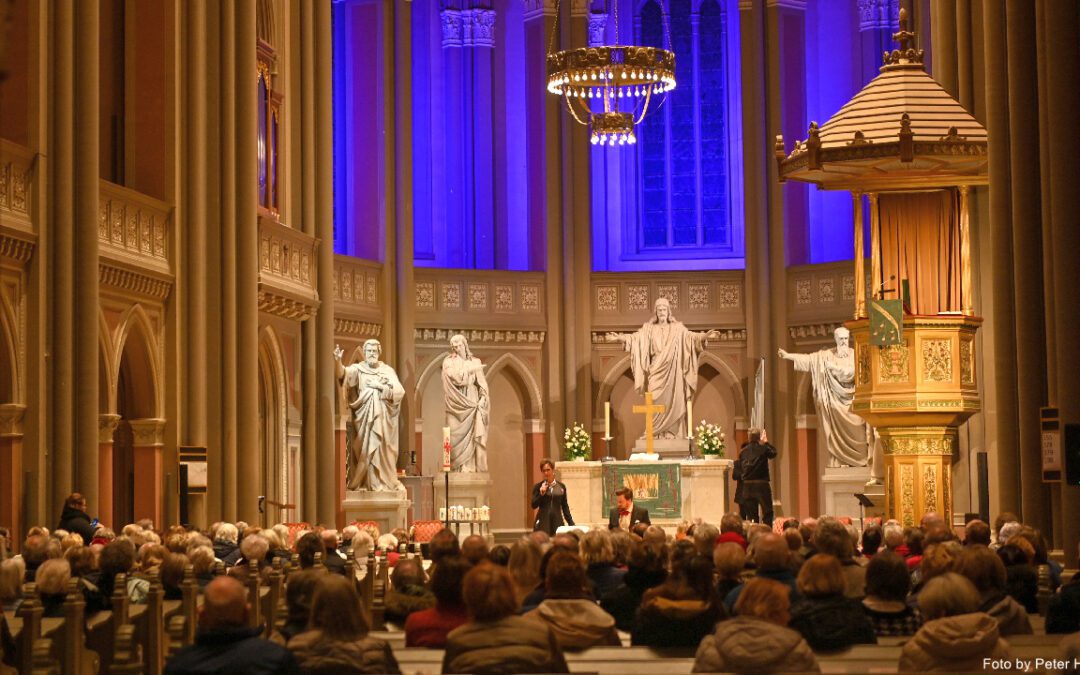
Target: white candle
<point x="607" y="419"/>
<point x="689" y="418"/>
<point x="446" y="448"/>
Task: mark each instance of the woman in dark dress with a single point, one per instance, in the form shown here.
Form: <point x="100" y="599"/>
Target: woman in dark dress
<point x="549" y="500"/>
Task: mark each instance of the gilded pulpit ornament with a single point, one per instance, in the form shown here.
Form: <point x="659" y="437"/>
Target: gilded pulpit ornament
<point x="611" y="87"/>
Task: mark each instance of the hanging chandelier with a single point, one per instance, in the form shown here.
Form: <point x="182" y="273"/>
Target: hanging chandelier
<point x="611" y="88"/>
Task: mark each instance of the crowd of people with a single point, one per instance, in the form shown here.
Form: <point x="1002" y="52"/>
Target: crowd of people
<point x="739" y="596"/>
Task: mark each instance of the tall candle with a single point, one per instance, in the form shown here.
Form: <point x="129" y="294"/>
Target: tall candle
<point x="607" y="419"/>
<point x="446" y="448"/>
<point x="689" y="418"/>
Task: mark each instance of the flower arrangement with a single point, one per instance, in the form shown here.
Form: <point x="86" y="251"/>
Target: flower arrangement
<point x="578" y="442"/>
<point x="710" y="439"/>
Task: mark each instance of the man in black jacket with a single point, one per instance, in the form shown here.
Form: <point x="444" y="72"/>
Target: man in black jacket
<point x="752" y="473"/>
<point x="225" y="642"/>
<point x="74" y="518"/>
<point x="625" y="515"/>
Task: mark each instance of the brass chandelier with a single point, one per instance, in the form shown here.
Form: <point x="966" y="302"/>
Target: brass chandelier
<point x="611" y="88"/>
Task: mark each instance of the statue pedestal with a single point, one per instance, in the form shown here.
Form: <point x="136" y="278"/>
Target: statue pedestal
<point x="839" y="486"/>
<point x="466" y="489"/>
<point x="388" y="510"/>
<point x="667" y="448"/>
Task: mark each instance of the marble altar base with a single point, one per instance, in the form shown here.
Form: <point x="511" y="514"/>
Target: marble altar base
<point x="839" y="486"/>
<point x="667" y="448"/>
<point x="388" y="510"/>
<point x="705" y="484"/>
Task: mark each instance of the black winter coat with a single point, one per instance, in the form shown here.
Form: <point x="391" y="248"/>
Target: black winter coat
<point x="233" y="650"/>
<point x="74" y="520"/>
<point x="832" y="623"/>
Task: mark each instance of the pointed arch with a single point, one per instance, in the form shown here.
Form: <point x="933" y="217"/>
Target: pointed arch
<point x="11" y="391"/>
<point x="278" y="473"/>
<point x="434" y="366"/>
<point x="266" y="23"/>
<point x="108" y="367"/>
<point x="136" y="348"/>
<point x="527" y="385"/>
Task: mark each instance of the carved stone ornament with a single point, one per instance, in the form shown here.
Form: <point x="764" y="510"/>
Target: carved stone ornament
<point x="504" y="298"/>
<point x="478" y="296"/>
<point x="480" y="336"/>
<point x="728" y="296"/>
<point x="862" y="365"/>
<point x="530" y="298"/>
<point x="148" y="432"/>
<point x="356" y="329"/>
<point x="11" y="419"/>
<point x="607" y="298"/>
<point x="936" y="447"/>
<point x="453" y="28"/>
<point x="802" y="292"/>
<point x="699" y="296"/>
<point x="637" y="297"/>
<point x="967" y="362"/>
<point x="930" y="488"/>
<point x="826" y="292"/>
<point x="937" y="360"/>
<point x="597" y="24"/>
<point x="479" y="27"/>
<point x="893" y="364"/>
<point x="425" y="295"/>
<point x="451" y="296"/>
<point x="847" y="287"/>
<point x="907" y="495"/>
<point x="107" y="424"/>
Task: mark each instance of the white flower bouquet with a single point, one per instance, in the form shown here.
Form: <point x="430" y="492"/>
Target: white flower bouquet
<point x="710" y="439"/>
<point x="578" y="442"/>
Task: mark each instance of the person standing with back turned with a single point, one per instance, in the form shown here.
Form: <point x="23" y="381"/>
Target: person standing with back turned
<point x="752" y="472"/>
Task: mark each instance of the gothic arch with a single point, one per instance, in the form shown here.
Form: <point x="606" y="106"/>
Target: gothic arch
<point x="136" y="347"/>
<point x="523" y="380"/>
<point x="273" y="380"/>
<point x="11" y="390"/>
<point x="265" y="23"/>
<point x="108" y="368"/>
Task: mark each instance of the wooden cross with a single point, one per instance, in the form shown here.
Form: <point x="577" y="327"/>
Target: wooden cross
<point x="649" y="410"/>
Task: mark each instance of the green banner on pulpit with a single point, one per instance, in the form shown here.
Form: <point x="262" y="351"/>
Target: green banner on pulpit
<point x="656" y="486"/>
<point x="886" y="322"/>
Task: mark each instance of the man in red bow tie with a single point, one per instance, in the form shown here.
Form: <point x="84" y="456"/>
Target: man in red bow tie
<point x="625" y="515"/>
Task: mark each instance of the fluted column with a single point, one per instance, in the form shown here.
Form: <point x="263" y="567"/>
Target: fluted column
<point x="1004" y="467"/>
<point x="943" y="23"/>
<point x="62" y="260"/>
<point x="249" y="457"/>
<point x="87" y="189"/>
<point x="324" y="218"/>
<point x="1059" y="37"/>
<point x="194" y="236"/>
<point x="311" y="393"/>
<point x="403" y="208"/>
<point x="227" y="459"/>
<point x="860" y="256"/>
<point x="107" y="423"/>
<point x="1026" y="244"/>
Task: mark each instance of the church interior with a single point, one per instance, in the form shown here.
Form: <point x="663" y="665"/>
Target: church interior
<point x="200" y="200"/>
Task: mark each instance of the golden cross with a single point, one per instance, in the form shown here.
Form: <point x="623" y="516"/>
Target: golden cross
<point x="649" y="410"/>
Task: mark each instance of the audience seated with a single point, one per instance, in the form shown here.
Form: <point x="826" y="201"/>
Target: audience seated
<point x="887" y="585"/>
<point x="1063" y="612"/>
<point x="332" y="559"/>
<point x="74" y="518"/>
<point x="226" y="548"/>
<point x="729" y="560"/>
<point x="871" y="540"/>
<point x="494" y="640"/>
<point x="645" y="570"/>
<point x="298" y="595"/>
<point x="772" y="560"/>
<point x="116" y="558"/>
<point x="569" y="608"/>
<point x="52" y="580"/>
<point x="956" y="636"/>
<point x="913" y="540"/>
<point x="337" y="639"/>
<point x="598" y="555"/>
<point x="825" y="617"/>
<point x="524" y="567"/>
<point x="500" y="555"/>
<point x="429" y="627"/>
<point x="35" y="551"/>
<point x="977" y="533"/>
<point x="757" y="640"/>
<point x="832" y="537"/>
<point x="407" y="592"/>
<point x="731" y="530"/>
<point x="12" y="573"/>
<point x="225" y="643"/>
<point x="984" y="569"/>
<point x="474" y="548"/>
<point x="1021" y="579"/>
<point x="682" y="610"/>
<point x="254" y="547"/>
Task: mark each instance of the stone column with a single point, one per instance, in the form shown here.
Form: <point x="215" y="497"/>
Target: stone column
<point x="60" y="246"/>
<point x="149" y="439"/>
<point x="327" y="502"/>
<point x="85" y="235"/>
<point x="943" y="40"/>
<point x="11" y="469"/>
<point x="1004" y="467"/>
<point x="249" y="459"/>
<point x="1059" y="34"/>
<point x="807" y="463"/>
<point x="311" y="393"/>
<point x="480" y="47"/>
<point x="106" y="426"/>
<point x="860" y="257"/>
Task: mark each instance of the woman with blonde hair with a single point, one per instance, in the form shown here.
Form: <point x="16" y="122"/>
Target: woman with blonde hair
<point x="337" y="637"/>
<point x="598" y="555"/>
<point x="758" y="638"/>
<point x="956" y="636"/>
<point x="524" y="567"/>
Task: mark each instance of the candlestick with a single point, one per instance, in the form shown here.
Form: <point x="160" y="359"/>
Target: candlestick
<point x="607" y="419"/>
<point x="689" y="418"/>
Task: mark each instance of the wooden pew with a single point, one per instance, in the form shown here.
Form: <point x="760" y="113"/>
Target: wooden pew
<point x="127" y="659"/>
<point x="68" y="636"/>
<point x="44" y="663"/>
<point x="273" y="608"/>
<point x="102" y="628"/>
<point x="30" y="613"/>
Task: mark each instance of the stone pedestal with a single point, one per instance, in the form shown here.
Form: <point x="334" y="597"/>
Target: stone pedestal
<point x="466" y="489"/>
<point x="667" y="448"/>
<point x="388" y="510"/>
<point x="839" y="486"/>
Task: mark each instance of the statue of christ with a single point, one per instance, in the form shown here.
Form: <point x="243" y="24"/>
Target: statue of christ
<point x="664" y="358"/>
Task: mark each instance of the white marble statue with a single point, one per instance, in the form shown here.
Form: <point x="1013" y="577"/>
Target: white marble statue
<point x="467" y="407"/>
<point x="664" y="358"/>
<point x="373" y="393"/>
<point x="832" y="376"/>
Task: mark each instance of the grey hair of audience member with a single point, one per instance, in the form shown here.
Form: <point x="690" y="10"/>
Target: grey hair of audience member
<point x="705" y="536"/>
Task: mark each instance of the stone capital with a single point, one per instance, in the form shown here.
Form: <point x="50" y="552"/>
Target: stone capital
<point x="148" y="432"/>
<point x="107" y="424"/>
<point x="539" y="8"/>
<point x="11" y="419"/>
<point x="597" y="24"/>
<point x="479" y="27"/>
<point x="453" y="28"/>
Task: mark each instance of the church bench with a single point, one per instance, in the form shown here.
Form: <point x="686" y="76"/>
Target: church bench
<point x="595" y="660"/>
